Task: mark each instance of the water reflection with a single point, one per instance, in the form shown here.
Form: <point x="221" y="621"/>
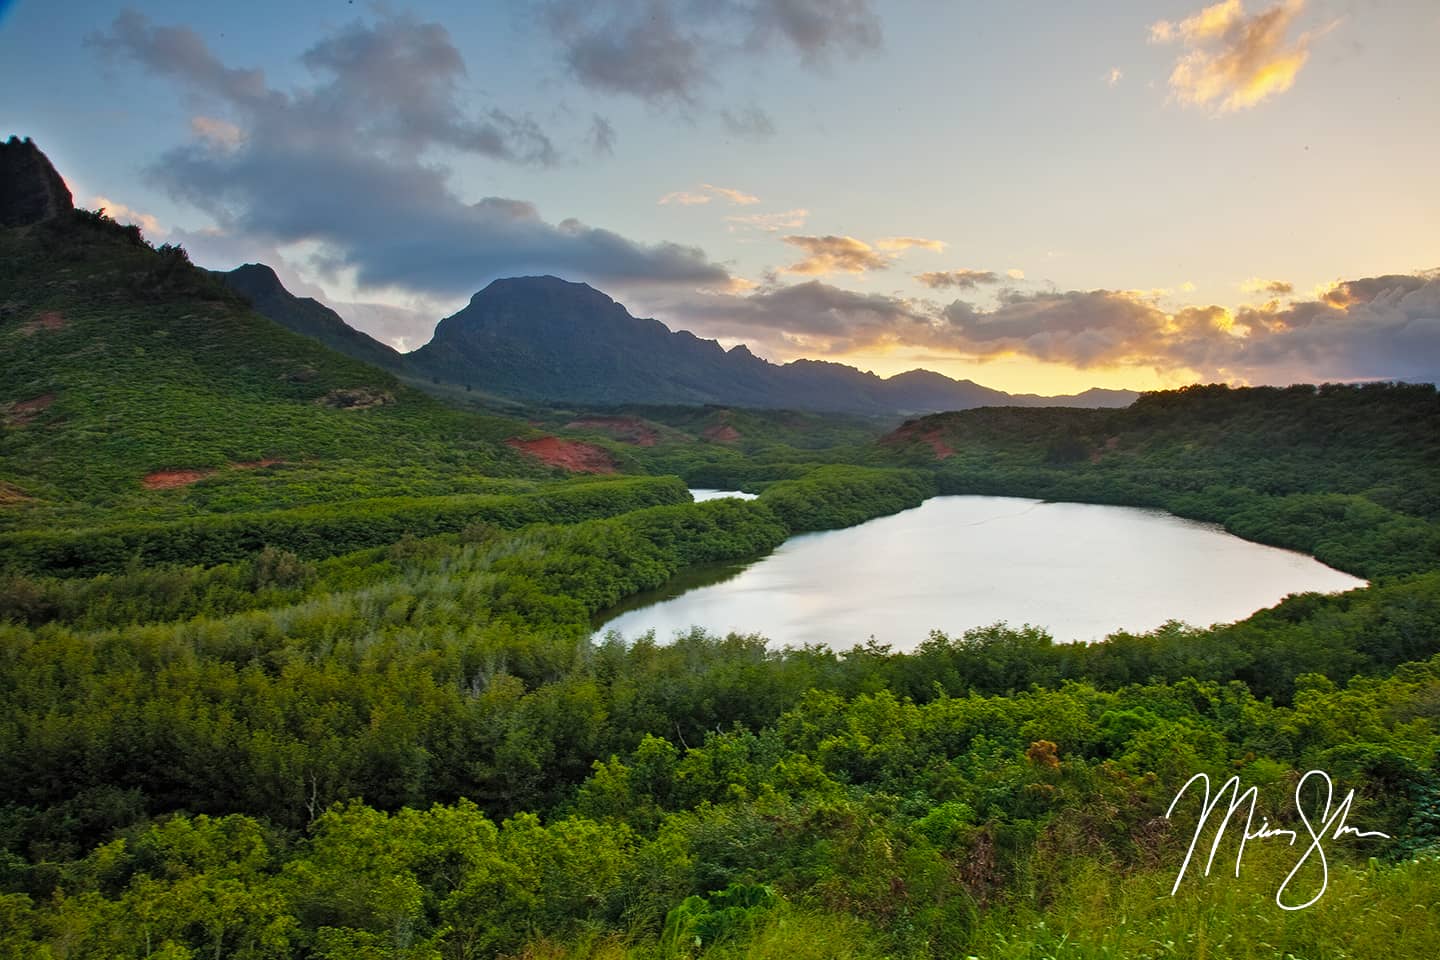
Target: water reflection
<point x="1079" y="570"/>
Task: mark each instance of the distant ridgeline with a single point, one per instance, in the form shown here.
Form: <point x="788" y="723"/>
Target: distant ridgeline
<point x="543" y="339"/>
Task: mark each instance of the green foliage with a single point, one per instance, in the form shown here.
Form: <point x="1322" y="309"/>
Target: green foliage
<point x="839" y="496"/>
<point x="321" y="530"/>
<point x="702" y="922"/>
<point x="349" y="705"/>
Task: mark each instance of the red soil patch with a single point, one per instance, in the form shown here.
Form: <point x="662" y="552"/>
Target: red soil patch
<point x="49" y="320"/>
<point x="26" y="410"/>
<point x="571" y="455"/>
<point x="931" y="437"/>
<point x="721" y="433"/>
<point x="169" y="479"/>
<point x="12" y="495"/>
<point x="624" y="429"/>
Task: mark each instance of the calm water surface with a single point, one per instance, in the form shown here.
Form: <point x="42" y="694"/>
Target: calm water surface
<point x="1081" y="571"/>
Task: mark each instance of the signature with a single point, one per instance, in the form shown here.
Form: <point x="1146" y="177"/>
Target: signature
<point x="1330" y="824"/>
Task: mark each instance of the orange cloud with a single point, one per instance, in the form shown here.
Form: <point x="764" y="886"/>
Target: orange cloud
<point x="708" y="191"/>
<point x="737" y="197"/>
<point x="121" y="213"/>
<point x="1234" y="61"/>
<point x="1277" y="288"/>
<point x="831" y="254"/>
<point x="905" y="243"/>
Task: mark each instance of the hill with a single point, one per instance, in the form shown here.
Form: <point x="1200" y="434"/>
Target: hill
<point x="258" y="284"/>
<point x="1349" y="473"/>
<point x="547" y="339"/>
<point x="135" y="386"/>
<point x="550" y="341"/>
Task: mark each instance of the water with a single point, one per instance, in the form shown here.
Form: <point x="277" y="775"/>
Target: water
<point x="701" y="494"/>
<point x="1081" y="571"/>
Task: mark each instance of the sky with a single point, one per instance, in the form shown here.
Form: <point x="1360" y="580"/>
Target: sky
<point x="1041" y="197"/>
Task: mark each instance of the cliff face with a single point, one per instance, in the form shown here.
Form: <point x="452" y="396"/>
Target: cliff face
<point x="30" y="189"/>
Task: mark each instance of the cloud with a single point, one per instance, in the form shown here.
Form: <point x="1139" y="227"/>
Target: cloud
<point x="831" y="254"/>
<point x="122" y="214"/>
<point x="1015" y="273"/>
<point x="221" y="133"/>
<point x="905" y="243"/>
<point x="602" y="136"/>
<point x="347" y="163"/>
<point x="751" y="123"/>
<point x="707" y="192"/>
<point x="1114" y="77"/>
<point x="1364" y="329"/>
<point x="1233" y="61"/>
<point x="683" y="198"/>
<point x="668" y="51"/>
<point x="771" y="222"/>
<point x="957" y="279"/>
<point x="1373" y="328"/>
<point x="1277" y="288"/>
<point x="737" y="197"/>
<point x="812" y="317"/>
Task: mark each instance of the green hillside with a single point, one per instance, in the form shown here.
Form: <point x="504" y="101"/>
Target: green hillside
<point x="133" y="383"/>
<point x="1348" y="473"/>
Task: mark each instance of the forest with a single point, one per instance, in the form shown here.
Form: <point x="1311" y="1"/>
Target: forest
<point x="348" y="704"/>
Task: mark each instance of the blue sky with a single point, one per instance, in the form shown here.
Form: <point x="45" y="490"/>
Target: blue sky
<point x="1038" y="196"/>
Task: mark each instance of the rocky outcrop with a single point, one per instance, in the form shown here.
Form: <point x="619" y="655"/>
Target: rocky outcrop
<point x="30" y="189"/>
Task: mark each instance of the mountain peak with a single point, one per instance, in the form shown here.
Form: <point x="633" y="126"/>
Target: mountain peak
<point x="543" y="287"/>
<point x="257" y="276"/>
<point x="30" y="188"/>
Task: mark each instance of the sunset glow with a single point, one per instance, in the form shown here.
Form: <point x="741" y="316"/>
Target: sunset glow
<point x="1238" y="191"/>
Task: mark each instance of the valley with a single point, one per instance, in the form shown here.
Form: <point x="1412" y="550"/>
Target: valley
<point x="298" y="655"/>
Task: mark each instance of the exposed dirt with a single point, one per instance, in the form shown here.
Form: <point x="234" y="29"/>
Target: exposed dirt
<point x="625" y="429"/>
<point x="12" y="495"/>
<point x="570" y="455"/>
<point x="931" y="437"/>
<point x="721" y="433"/>
<point x="24" y="411"/>
<point x="49" y="320"/>
<point x="169" y="479"/>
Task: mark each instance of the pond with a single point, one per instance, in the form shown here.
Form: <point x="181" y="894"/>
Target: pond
<point x="1081" y="571"/>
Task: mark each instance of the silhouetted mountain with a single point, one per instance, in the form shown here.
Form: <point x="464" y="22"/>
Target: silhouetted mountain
<point x="305" y="315"/>
<point x="30" y="189"/>
<point x="543" y="339"/>
<point x="547" y="339"/>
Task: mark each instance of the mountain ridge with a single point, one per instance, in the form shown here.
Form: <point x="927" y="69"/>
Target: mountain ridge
<point x="545" y="339"/>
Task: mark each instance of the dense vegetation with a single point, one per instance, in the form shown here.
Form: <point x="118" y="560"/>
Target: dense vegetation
<point x="349" y="706"/>
<point x="1350" y="474"/>
<point x="119" y="362"/>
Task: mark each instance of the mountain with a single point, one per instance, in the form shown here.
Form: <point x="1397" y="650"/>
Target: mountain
<point x="547" y="339"/>
<point x="258" y="284"/>
<point x="130" y="378"/>
<point x="31" y="191"/>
